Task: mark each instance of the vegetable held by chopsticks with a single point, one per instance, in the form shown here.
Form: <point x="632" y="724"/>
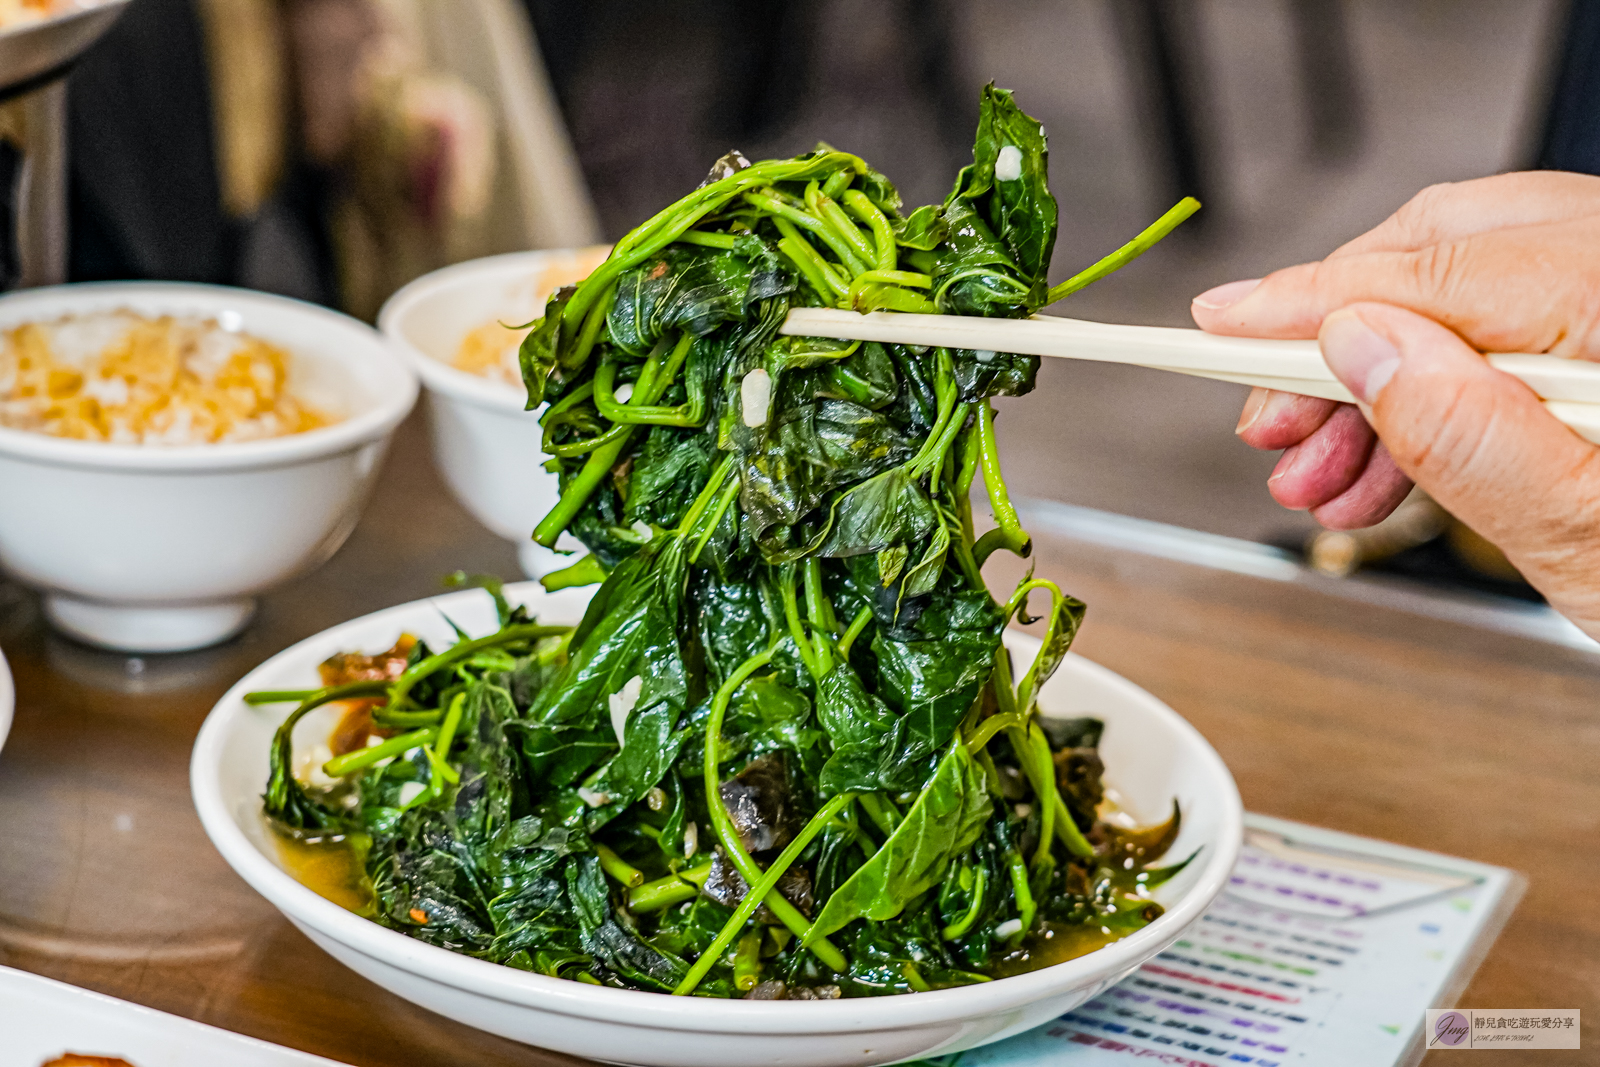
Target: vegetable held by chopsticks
<point x="785" y="753"/>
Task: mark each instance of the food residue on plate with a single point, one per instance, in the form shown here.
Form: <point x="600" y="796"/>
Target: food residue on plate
<point x="123" y="378"/>
<point x="490" y="350"/>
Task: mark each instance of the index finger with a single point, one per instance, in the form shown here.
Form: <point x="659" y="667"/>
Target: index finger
<point x="1527" y="289"/>
<point x="1451" y="211"/>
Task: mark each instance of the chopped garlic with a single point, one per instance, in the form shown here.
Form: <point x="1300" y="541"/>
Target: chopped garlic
<point x="691" y="841"/>
<point x="1009" y="928"/>
<point x="593" y="798"/>
<point x="411" y="791"/>
<point x="984" y="355"/>
<point x="311" y="771"/>
<point x="643" y="529"/>
<point x="622" y="703"/>
<point x="624" y="392"/>
<point x="755" y="395"/>
<point x="1008" y="164"/>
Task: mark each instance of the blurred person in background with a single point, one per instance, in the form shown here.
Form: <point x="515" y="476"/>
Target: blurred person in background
<point x="325" y="149"/>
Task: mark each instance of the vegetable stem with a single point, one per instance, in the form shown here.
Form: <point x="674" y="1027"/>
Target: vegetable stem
<point x="667" y="226"/>
<point x="1026" y="908"/>
<point x="963" y="924"/>
<point x="440" y="759"/>
<point x="690" y="522"/>
<point x="363" y="758"/>
<point x="665" y="892"/>
<point x="592" y="324"/>
<point x="587" y="571"/>
<point x="806" y="221"/>
<point x="837" y="183"/>
<point x="724" y="501"/>
<point x="857" y="204"/>
<point x="820" y="611"/>
<point x="747" y="961"/>
<point x="728" y="835"/>
<point x="690" y="413"/>
<point x="722" y="241"/>
<point x="618" y="868"/>
<point x="599" y="463"/>
<point x="402" y="685"/>
<point x="281" y="784"/>
<point x="830" y="212"/>
<point x="1005" y="515"/>
<point x="878" y="812"/>
<point x="1129" y="252"/>
<point x="858" y="624"/>
<point x="279" y="696"/>
<point x="810" y="261"/>
<point x="764" y="889"/>
<point x="791" y="614"/>
<point x="986" y="545"/>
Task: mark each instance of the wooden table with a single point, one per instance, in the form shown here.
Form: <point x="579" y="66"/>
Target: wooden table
<point x="1354" y="717"/>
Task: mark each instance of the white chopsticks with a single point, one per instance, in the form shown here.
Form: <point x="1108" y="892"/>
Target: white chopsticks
<point x="1569" y="388"/>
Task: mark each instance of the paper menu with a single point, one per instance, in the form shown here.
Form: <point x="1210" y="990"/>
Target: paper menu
<point x="1324" y="951"/>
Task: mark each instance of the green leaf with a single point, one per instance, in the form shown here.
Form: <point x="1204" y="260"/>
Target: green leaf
<point x="946" y="819"/>
<point x="887" y="509"/>
<point x="537" y="353"/>
<point x="1019" y="210"/>
<point x="923" y="230"/>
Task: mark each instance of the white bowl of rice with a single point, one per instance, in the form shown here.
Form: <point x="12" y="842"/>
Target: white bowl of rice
<point x="170" y="451"/>
<point x="460" y="327"/>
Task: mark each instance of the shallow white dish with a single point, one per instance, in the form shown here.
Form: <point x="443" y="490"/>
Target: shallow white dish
<point x="486" y="444"/>
<point x="158" y="549"/>
<point x="42" y="1018"/>
<point x="8" y="699"/>
<point x="1152" y="756"/>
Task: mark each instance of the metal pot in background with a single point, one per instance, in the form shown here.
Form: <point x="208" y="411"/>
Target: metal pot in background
<point x="34" y="61"/>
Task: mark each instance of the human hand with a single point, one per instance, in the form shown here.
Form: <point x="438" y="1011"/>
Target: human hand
<point x="1509" y="264"/>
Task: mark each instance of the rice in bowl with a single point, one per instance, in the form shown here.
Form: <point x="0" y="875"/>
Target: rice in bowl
<point x="490" y="350"/>
<point x="121" y="378"/>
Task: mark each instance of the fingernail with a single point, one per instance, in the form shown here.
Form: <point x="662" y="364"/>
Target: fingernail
<point x="1252" y="409"/>
<point x="1224" y="295"/>
<point x="1361" y="358"/>
<point x="1263" y="406"/>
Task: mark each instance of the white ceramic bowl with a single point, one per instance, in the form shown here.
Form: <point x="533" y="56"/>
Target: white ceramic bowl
<point x="8" y="700"/>
<point x="1152" y="756"/>
<point x="158" y="549"/>
<point x="485" y="443"/>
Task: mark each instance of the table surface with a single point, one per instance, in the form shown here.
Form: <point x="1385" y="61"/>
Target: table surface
<point x="1330" y="712"/>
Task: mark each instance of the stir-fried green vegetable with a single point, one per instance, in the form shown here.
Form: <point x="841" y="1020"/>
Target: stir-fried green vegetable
<point x="785" y="752"/>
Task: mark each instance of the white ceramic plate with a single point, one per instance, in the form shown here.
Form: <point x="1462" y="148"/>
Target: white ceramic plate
<point x="8" y="699"/>
<point x="40" y="1019"/>
<point x="1152" y="756"/>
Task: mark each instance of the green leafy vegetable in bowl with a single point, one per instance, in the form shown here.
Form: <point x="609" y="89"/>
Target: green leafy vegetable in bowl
<point x="785" y="753"/>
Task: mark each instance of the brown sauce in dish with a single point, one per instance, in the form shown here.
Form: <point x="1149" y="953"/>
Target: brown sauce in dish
<point x="332" y="867"/>
<point x="74" y="1059"/>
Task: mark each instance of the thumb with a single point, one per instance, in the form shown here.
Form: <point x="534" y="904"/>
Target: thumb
<point x="1481" y="444"/>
